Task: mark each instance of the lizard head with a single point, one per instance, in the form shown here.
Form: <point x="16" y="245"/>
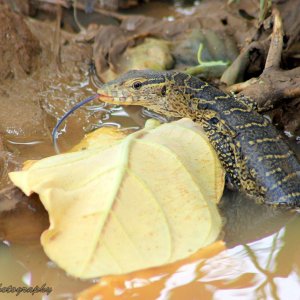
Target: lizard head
<point x="151" y="89"/>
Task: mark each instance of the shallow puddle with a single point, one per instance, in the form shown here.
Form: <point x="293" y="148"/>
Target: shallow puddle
<point x="262" y="259"/>
<point x="266" y="268"/>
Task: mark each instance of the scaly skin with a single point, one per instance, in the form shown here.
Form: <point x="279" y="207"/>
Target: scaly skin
<point x="253" y="153"/>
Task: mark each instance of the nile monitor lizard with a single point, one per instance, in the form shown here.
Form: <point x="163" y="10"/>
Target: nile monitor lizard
<point x="253" y="153"/>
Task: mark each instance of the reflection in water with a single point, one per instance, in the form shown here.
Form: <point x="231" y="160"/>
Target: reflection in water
<point x="247" y="221"/>
<point x="276" y="273"/>
<point x="24" y="143"/>
<point x="263" y="269"/>
<point x="266" y="270"/>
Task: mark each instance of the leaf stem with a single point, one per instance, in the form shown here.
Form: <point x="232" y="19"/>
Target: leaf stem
<point x="205" y="66"/>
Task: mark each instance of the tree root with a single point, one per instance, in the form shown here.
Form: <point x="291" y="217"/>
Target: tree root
<point x="274" y="55"/>
<point x="274" y="85"/>
<point x="235" y="72"/>
<point x="56" y="39"/>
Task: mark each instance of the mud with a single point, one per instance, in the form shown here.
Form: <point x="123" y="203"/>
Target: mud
<point x="19" y="49"/>
<point x="29" y="68"/>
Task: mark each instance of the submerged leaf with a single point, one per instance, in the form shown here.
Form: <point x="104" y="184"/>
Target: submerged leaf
<point x="143" y="201"/>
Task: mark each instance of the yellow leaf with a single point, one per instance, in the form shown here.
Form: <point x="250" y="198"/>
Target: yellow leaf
<point x="101" y="139"/>
<point x="143" y="201"/>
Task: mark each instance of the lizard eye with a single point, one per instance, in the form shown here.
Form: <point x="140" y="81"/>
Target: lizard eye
<point x="137" y="85"/>
<point x="164" y="91"/>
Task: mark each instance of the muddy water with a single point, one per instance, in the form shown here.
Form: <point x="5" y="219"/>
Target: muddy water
<point x="166" y="8"/>
<point x="262" y="259"/>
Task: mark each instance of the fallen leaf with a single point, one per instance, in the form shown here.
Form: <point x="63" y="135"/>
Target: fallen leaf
<point x="152" y="54"/>
<point x="100" y="139"/>
<point x="143" y="201"/>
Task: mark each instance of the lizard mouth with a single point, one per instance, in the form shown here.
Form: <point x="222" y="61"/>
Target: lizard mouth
<point x="106" y="98"/>
<point x="120" y="100"/>
<point x="115" y="96"/>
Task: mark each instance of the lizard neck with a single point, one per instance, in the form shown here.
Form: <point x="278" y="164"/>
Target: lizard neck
<point x="201" y="98"/>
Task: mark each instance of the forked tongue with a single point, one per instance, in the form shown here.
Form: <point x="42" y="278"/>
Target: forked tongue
<point x="69" y="112"/>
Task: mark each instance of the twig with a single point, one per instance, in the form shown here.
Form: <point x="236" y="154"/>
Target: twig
<point x="235" y="72"/>
<point x="264" y="6"/>
<point x="237" y="69"/>
<point x="292" y="92"/>
<point x="67" y="4"/>
<point x="63" y="3"/>
<point x="274" y="54"/>
<point x="81" y="28"/>
<point x="274" y="84"/>
<point x="56" y="39"/>
<point x="238" y="87"/>
<point x="105" y="12"/>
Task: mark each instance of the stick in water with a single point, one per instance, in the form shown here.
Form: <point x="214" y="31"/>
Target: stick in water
<point x="61" y="120"/>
